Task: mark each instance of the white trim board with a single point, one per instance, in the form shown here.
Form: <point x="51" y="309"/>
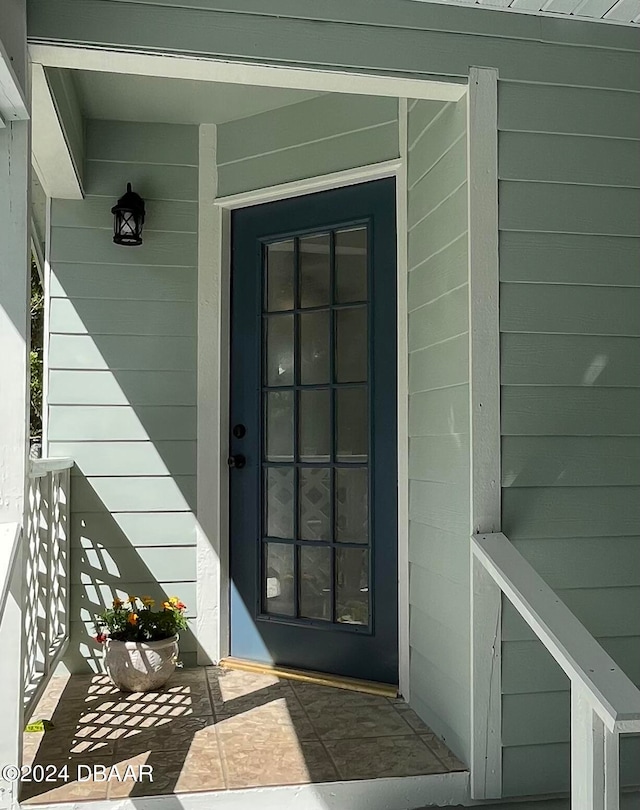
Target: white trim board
<point x="324" y="182"/>
<point x="212" y="535"/>
<point x="401" y="793"/>
<point x="51" y="153"/>
<point x="217" y="70"/>
<point x="402" y="366"/>
<point x="484" y="408"/>
<point x="14" y="105"/>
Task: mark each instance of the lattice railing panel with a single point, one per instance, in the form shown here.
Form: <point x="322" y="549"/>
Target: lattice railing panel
<point x="46" y="572"/>
<point x="35" y="648"/>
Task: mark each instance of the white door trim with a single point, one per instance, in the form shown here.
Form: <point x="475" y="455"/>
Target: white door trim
<point x="402" y="366"/>
<point x="212" y="495"/>
<point x="323" y="182"/>
<point x="214" y="271"/>
<point x="484" y="404"/>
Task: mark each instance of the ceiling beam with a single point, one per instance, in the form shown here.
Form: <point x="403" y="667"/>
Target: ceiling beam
<point x="57" y="161"/>
<point x="13" y="104"/>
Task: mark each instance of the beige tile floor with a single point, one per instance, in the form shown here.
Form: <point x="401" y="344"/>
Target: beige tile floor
<point x="216" y="729"/>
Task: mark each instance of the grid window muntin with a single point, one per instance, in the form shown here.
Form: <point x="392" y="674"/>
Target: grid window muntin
<point x="332" y="463"/>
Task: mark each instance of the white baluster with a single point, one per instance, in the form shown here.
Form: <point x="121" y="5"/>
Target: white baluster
<point x="594" y="757"/>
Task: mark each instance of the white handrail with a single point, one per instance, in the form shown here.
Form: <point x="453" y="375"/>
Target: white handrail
<point x="39" y="467"/>
<point x="10" y="536"/>
<point x="604" y="701"/>
<point x="615" y="697"/>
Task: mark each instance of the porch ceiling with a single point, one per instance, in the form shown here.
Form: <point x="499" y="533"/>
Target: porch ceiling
<point x="124" y="97"/>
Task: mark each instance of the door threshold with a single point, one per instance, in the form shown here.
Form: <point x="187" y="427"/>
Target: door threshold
<point x="309" y="676"/>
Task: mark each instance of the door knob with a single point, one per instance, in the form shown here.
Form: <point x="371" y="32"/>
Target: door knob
<point x="238" y="461"/>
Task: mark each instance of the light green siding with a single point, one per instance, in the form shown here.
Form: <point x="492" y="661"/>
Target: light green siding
<point x="438" y="304"/>
<point x="122" y="374"/>
<point x="570" y="322"/>
<point x="569" y="123"/>
<point x="315" y="137"/>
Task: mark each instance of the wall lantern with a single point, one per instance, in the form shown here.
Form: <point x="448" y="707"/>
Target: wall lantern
<point x="128" y="217"/>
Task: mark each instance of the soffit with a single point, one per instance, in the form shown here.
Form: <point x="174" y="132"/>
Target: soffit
<point x="121" y="97"/>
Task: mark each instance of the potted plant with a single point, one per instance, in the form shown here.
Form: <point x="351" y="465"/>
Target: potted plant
<point x="140" y="644"/>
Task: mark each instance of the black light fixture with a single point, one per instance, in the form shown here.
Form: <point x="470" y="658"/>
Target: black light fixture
<point x="128" y="218"/>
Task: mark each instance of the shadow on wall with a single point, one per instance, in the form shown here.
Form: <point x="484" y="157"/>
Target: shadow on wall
<point x="122" y="397"/>
<point x="105" y="564"/>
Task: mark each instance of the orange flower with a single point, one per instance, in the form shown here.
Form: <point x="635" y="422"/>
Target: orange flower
<point x="132" y="618"/>
<point x="132" y="600"/>
<point x="147" y="601"/>
<point x="117" y="603"/>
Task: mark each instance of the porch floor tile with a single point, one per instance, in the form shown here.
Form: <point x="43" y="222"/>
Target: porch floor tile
<point x="219" y="729"/>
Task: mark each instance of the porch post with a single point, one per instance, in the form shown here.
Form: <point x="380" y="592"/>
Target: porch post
<point x="14" y="337"/>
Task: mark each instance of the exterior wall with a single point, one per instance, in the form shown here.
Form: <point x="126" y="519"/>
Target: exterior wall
<point x="569" y="259"/>
<point x="122" y="374"/>
<point x="319" y="136"/>
<point x="439" y="467"/>
<point x="569" y="169"/>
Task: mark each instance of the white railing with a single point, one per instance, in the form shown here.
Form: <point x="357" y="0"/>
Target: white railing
<point x="604" y="701"/>
<point x="46" y="566"/>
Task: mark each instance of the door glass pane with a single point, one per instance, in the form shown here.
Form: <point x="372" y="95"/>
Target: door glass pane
<point x="314" y="347"/>
<point x="315" y="426"/>
<point x="351" y="265"/>
<point x="279" y="281"/>
<point x="279" y="585"/>
<point x="279" y="427"/>
<point x="352" y="585"/>
<point x="315" y="582"/>
<point x="352" y="505"/>
<point x="352" y="422"/>
<point x="279" y="499"/>
<point x="314" y="423"/>
<point x="351" y="345"/>
<point x="314" y="270"/>
<point x="279" y="370"/>
<point x="314" y="497"/>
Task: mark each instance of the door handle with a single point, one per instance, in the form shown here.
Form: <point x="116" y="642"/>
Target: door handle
<point x="238" y="461"/>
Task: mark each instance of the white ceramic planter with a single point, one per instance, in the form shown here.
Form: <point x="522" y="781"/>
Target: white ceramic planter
<point x="135" y="666"/>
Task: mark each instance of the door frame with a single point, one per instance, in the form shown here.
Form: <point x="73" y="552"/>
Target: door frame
<point x="214" y="301"/>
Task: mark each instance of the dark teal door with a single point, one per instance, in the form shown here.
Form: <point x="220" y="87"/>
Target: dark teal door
<point x="313" y="450"/>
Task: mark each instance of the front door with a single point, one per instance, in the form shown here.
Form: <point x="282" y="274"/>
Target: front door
<point x="313" y="449"/>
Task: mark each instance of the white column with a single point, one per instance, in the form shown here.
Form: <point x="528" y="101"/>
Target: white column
<point x="14" y="338"/>
<point x="484" y="409"/>
<point x="14" y="415"/>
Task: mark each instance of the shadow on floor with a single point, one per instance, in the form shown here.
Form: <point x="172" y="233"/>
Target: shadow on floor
<point x="216" y="729"/>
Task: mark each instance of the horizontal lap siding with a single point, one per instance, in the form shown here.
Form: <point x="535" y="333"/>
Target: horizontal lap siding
<point x="319" y="136"/>
<point x="569" y="170"/>
<point x="122" y="374"/>
<point x="568" y="216"/>
<point x="439" y="419"/>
